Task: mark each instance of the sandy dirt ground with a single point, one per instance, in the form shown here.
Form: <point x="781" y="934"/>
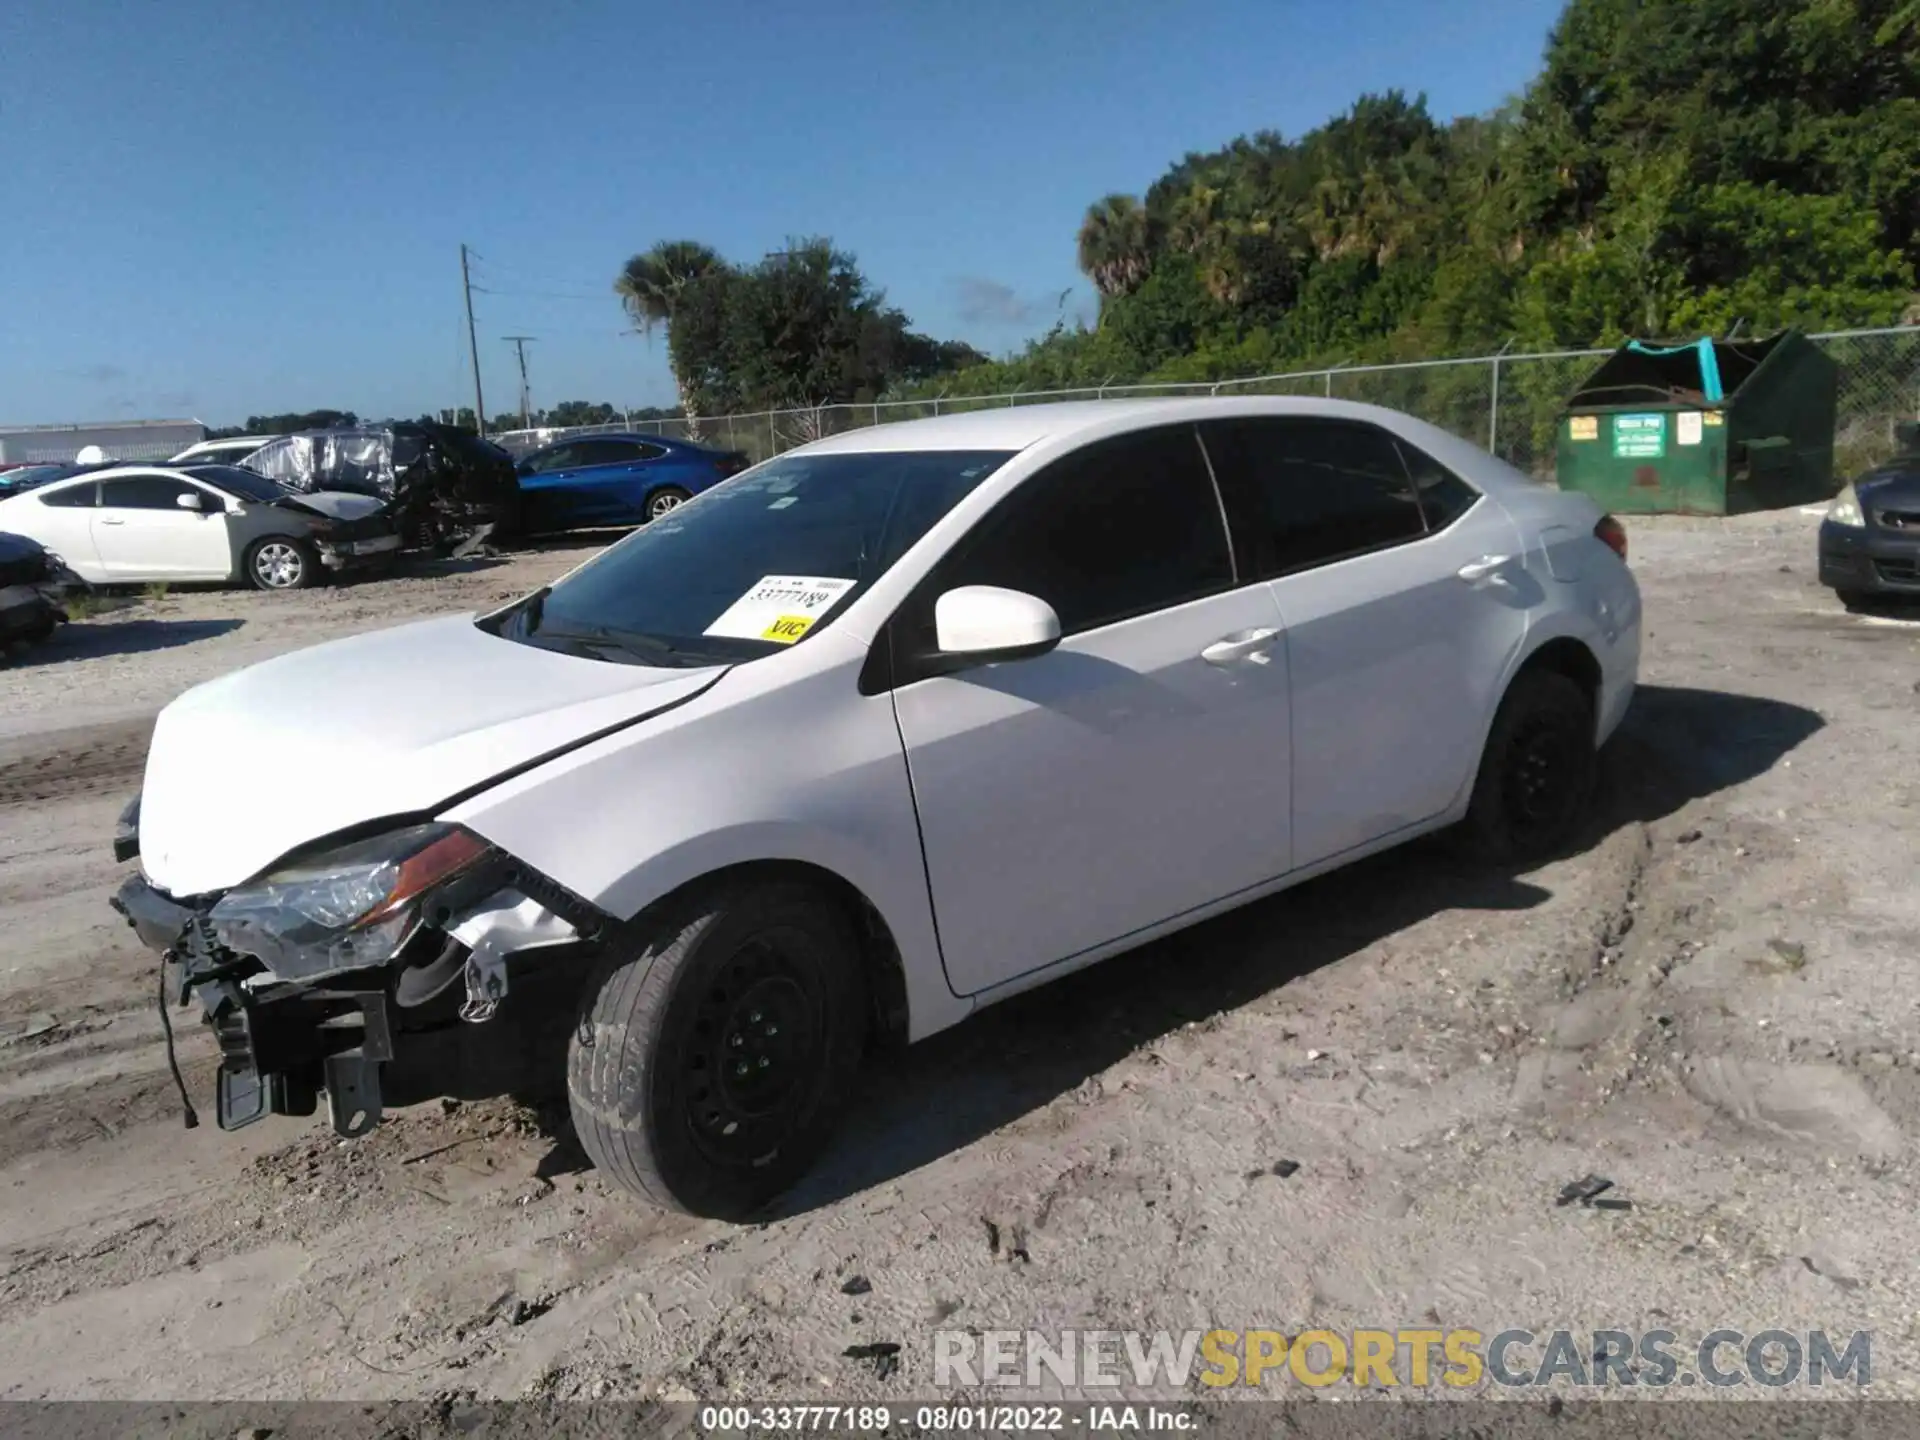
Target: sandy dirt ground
<point x="1712" y="1003"/>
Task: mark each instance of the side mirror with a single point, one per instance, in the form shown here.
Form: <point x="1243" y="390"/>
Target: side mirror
<point x="982" y="623"/>
<point x="189" y="500"/>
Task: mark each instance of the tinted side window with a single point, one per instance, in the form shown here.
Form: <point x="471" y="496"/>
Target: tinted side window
<point x="71" y="497"/>
<point x="1120" y="528"/>
<point x="561" y="457"/>
<point x="1305" y="492"/>
<point x="1444" y="496"/>
<point x="610" y="452"/>
<point x="149" y="492"/>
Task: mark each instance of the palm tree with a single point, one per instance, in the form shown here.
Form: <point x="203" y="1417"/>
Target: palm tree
<point x="1115" y="249"/>
<point x="1195" y="219"/>
<point x="650" y="286"/>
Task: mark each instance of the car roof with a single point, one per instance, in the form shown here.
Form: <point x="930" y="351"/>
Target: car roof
<point x="1016" y="427"/>
<point x="640" y="435"/>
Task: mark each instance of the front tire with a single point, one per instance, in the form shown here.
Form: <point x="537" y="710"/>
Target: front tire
<point x="667" y="497"/>
<point x="280" y="562"/>
<point x="1536" y="775"/>
<point x="715" y="1050"/>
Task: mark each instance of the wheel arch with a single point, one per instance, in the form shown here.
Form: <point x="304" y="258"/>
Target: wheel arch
<point x="1562" y="654"/>
<point x="880" y="958"/>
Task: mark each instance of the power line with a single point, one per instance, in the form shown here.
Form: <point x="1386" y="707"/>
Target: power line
<point x="599" y="299"/>
<point x="515" y="275"/>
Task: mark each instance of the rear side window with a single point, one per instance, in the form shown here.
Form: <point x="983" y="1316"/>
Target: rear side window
<point x="71" y="497"/>
<point x="148" y="492"/>
<point x="613" y="452"/>
<point x="1117" y="529"/>
<point x="1306" y="492"/>
<point x="1444" y="496"/>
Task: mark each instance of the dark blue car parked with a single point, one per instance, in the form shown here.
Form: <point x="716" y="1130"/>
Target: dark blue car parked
<point x="615" y="479"/>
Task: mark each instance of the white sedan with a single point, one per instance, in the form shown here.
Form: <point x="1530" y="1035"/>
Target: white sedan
<point x="135" y="524"/>
<point x="872" y="735"/>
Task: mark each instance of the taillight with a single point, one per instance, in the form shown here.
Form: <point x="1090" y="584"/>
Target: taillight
<point x="1612" y="534"/>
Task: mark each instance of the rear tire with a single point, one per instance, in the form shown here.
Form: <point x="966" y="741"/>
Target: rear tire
<point x="715" y="1050"/>
<point x="1536" y="775"/>
<point x="281" y="562"/>
<point x="1855" y="600"/>
<point x="667" y="497"/>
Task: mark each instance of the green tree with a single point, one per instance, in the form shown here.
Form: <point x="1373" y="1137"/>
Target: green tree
<point x="580" y="412"/>
<point x="287" y="423"/>
<point x="1115" y="250"/>
<point x="652" y="286"/>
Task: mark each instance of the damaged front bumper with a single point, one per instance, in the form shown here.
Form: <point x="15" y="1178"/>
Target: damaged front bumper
<point x="390" y="1034"/>
<point x="31" y="610"/>
<point x="358" y="554"/>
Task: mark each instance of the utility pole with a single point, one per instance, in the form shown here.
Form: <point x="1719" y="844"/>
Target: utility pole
<point x="473" y="346"/>
<point x="519" y="343"/>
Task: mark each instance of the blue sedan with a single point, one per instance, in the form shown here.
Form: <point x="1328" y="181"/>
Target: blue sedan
<point x="616" y="479"/>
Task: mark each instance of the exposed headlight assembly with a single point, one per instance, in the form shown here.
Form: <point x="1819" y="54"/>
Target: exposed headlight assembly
<point x="1845" y="509"/>
<point x="126" y="832"/>
<point x="346" y="908"/>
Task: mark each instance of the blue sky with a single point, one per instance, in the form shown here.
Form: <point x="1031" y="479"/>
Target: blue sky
<point x="222" y="207"/>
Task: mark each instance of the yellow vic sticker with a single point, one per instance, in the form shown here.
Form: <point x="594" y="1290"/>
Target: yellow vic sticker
<point x="787" y="629"/>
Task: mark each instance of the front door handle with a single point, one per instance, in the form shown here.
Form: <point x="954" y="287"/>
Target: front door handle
<point x="109" y="520"/>
<point x="1485" y="570"/>
<point x="1241" y="645"/>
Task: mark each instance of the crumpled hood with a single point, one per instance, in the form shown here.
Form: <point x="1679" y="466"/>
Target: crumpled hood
<point x="334" y="504"/>
<point x="248" y="767"/>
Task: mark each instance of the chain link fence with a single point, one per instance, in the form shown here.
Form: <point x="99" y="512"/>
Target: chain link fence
<point x="1510" y="404"/>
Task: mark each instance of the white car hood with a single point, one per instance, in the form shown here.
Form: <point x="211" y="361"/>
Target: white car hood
<point x="248" y="767"/>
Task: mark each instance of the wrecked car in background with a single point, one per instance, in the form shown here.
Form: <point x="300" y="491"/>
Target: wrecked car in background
<point x="34" y="586"/>
<point x="141" y="524"/>
<point x="445" y="489"/>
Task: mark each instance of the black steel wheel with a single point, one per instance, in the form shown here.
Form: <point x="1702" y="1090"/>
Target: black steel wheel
<point x="715" y="1050"/>
<point x="1536" y="775"/>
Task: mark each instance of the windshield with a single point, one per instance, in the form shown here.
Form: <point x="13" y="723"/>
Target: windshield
<point x="28" y="476"/>
<point x="235" y="481"/>
<point x="754" y="564"/>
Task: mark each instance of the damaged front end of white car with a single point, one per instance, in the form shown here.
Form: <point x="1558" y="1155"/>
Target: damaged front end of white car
<point x="357" y="967"/>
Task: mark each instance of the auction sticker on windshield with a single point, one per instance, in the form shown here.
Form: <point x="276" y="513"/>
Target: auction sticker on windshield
<point x="780" y="608"/>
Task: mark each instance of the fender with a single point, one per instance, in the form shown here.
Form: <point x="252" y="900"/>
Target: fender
<point x="1560" y="625"/>
<point x="931" y="1002"/>
<point x="632" y="817"/>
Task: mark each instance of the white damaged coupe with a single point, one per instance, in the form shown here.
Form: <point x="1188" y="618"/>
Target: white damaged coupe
<point x="870" y="736"/>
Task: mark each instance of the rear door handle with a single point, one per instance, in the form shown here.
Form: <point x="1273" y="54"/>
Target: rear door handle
<point x="109" y="520"/>
<point x="1241" y="645"/>
<point x="1485" y="570"/>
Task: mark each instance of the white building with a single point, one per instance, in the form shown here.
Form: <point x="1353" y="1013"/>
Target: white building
<point x="118" y="439"/>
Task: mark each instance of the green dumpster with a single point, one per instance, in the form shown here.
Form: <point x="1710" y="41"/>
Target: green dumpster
<point x="1717" y="427"/>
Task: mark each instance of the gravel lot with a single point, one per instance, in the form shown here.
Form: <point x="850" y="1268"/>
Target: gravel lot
<point x="1710" y="1003"/>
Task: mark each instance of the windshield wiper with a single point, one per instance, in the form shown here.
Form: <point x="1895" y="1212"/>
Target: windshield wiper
<point x="637" y="644"/>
